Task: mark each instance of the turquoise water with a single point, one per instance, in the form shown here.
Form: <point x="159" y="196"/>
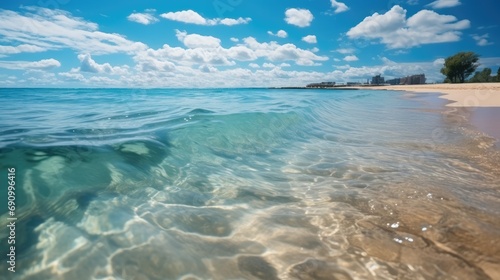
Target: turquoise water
<point x="246" y="184"/>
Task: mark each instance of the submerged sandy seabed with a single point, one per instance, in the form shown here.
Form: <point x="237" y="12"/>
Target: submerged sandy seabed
<point x="461" y="95"/>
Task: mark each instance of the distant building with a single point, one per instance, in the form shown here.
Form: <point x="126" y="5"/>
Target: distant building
<point x="396" y="81"/>
<point x="377" y="80"/>
<point x="408" y="80"/>
<point x="321" y="85"/>
<point x="353" y="83"/>
<point x="413" y="80"/>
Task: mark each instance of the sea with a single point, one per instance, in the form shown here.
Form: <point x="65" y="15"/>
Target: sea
<point x="245" y="184"/>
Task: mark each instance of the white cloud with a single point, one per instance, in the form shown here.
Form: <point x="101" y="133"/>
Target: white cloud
<point x="339" y="7"/>
<point x="38" y="77"/>
<point x="345" y="51"/>
<point x="142" y="18"/>
<point x="438" y="62"/>
<point x="234" y="39"/>
<point x="311" y="39"/>
<point x="314" y="50"/>
<point x="169" y="65"/>
<point x="482" y="40"/>
<point x="241" y="53"/>
<point x="394" y="30"/>
<point x="57" y="29"/>
<point x="207" y="69"/>
<point x="208" y="75"/>
<point x="268" y="65"/>
<point x="197" y="41"/>
<point x="275" y="52"/>
<point x="298" y="17"/>
<point x="44" y="64"/>
<point x="24" y="48"/>
<point x="390" y="69"/>
<point x="343" y="67"/>
<point x="280" y="33"/>
<point x="232" y="21"/>
<point x="152" y="64"/>
<point x="351" y="58"/>
<point x="168" y="58"/>
<point x="439" y="4"/>
<point x="190" y="16"/>
<point x="71" y="76"/>
<point x="87" y="64"/>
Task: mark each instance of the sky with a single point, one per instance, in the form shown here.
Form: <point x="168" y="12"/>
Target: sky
<point x="237" y="43"/>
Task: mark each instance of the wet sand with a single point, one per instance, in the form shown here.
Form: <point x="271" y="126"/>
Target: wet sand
<point x="480" y="101"/>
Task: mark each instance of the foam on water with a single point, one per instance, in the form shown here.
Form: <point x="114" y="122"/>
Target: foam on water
<point x="248" y="183"/>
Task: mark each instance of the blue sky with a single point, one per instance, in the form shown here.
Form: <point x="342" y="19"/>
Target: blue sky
<point x="237" y="43"/>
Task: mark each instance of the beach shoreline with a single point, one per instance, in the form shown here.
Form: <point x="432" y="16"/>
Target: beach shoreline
<point x="459" y="95"/>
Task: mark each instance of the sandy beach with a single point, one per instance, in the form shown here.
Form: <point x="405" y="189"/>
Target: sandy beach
<point x="461" y="95"/>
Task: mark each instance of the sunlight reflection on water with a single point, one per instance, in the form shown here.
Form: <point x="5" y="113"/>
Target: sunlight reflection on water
<point x="253" y="184"/>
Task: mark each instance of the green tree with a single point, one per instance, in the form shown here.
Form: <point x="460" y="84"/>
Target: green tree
<point x="460" y="66"/>
<point x="475" y="78"/>
<point x="482" y="77"/>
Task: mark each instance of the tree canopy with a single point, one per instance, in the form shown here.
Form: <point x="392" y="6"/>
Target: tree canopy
<point x="460" y="66"/>
<point x="482" y="77"/>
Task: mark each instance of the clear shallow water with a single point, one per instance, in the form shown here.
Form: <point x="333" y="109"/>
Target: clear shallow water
<point x="247" y="184"/>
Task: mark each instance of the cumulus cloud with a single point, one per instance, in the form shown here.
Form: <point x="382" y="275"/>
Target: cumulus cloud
<point x="439" y="4"/>
<point x="438" y="62"/>
<point x="339" y="7"/>
<point x="233" y="39"/>
<point x="190" y="16"/>
<point x="394" y="30"/>
<point x="197" y="41"/>
<point x="202" y="52"/>
<point x="142" y="18"/>
<point x="168" y="58"/>
<point x="351" y="58"/>
<point x="56" y="29"/>
<point x="44" y="64"/>
<point x="207" y="69"/>
<point x="87" y="64"/>
<point x="241" y="53"/>
<point x="482" y="40"/>
<point x="276" y="52"/>
<point x="298" y="17"/>
<point x="152" y="64"/>
<point x="280" y="33"/>
<point x="311" y="39"/>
